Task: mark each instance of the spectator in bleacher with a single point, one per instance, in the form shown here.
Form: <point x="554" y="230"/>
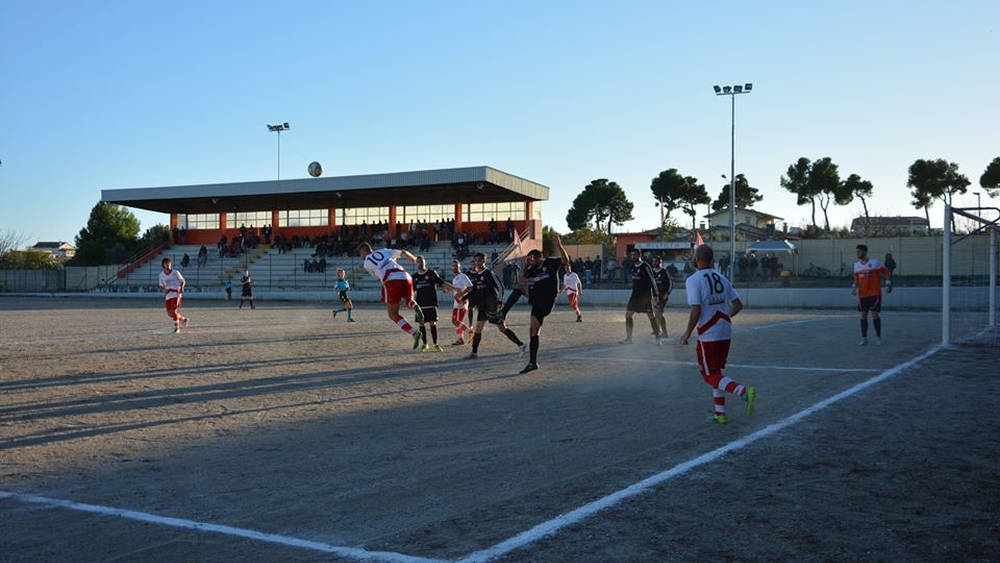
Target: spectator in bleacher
<point x="588" y="269"/>
<point x="597" y="268"/>
<point x="322" y="264"/>
<point x="202" y="256"/>
<point x="510" y="229"/>
<point x="185" y="261"/>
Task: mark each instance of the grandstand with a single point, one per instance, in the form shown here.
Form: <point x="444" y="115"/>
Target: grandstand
<point x="436" y="206"/>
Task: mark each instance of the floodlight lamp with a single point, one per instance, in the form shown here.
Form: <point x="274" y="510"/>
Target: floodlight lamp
<point x="286" y="125"/>
<point x="748" y="86"/>
<point x="717" y="89"/>
<point x="727" y="89"/>
<point x="738" y="89"/>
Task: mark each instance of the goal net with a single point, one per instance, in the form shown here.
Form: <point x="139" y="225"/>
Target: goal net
<point x="969" y="276"/>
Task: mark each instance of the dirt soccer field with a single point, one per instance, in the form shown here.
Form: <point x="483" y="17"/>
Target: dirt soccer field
<point x="283" y="434"/>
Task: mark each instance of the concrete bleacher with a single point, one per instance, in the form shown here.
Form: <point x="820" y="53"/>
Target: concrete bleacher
<point x="276" y="270"/>
<point x="271" y="269"/>
<point x="211" y="275"/>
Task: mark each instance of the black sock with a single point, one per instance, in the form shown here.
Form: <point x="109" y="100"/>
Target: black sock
<point x="513" y="337"/>
<point x="475" y="342"/>
<point x="655" y="325"/>
<point x="534" y="349"/>
<point x="864" y="328"/>
<point x="628" y="328"/>
<point x="241" y="303"/>
<point x="511" y="299"/>
<point x="252" y="305"/>
<point x="423" y="334"/>
<point x="434" y="333"/>
<point x="877" y="321"/>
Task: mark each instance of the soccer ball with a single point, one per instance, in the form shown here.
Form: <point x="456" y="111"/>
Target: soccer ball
<point x="315" y="169"/>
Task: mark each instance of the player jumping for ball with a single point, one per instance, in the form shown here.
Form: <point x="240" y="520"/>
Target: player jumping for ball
<point x="397" y="285"/>
<point x="172" y="283"/>
<point x="425" y="284"/>
<point x="868" y="287"/>
<point x="714" y="303"/>
<point x="343" y="286"/>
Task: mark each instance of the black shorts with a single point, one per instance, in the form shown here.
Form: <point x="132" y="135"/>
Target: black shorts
<point x="247" y="293"/>
<point x="343" y="297"/>
<point x="430" y="313"/>
<point x="640" y="303"/>
<point x="541" y="307"/>
<point x="873" y="303"/>
<point x="488" y="306"/>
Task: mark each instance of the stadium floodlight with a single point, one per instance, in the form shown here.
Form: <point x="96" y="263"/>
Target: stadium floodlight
<point x="718" y="90"/>
<point x="278" y="128"/>
<point x="731" y="91"/>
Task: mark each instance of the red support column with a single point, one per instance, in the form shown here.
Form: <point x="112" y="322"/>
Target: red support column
<point x="173" y="225"/>
<point x="458" y="217"/>
<point x="223" y="224"/>
<point x="392" y="221"/>
<point x="332" y="219"/>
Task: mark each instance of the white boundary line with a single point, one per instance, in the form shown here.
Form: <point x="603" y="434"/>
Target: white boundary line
<point x="350" y="552"/>
<point x="591" y="358"/>
<point x="563" y="520"/>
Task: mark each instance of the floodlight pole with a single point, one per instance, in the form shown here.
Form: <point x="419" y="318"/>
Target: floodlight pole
<point x="732" y="92"/>
<point x="278" y="128"/>
<point x="993" y="278"/>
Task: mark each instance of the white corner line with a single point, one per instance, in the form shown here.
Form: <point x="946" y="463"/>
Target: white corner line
<point x="349" y="552"/>
<point x="563" y="520"/>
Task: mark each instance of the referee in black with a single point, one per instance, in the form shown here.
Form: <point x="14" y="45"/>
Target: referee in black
<point x="644" y="294"/>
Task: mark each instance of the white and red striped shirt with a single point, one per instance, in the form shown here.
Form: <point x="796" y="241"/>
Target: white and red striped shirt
<point x="713" y="292"/>
<point x="460" y="282"/>
<point x="171" y="283"/>
<point x="382" y="265"/>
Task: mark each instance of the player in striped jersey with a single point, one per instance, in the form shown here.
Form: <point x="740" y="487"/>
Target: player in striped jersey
<point x="868" y="287"/>
<point x="397" y="285"/>
<point x="172" y="283"/>
<point x="714" y="303"/>
<point x="459" y="307"/>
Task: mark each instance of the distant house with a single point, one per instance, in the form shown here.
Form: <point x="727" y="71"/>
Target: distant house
<point x="890" y="225"/>
<point x="751" y="222"/>
<point x="60" y="249"/>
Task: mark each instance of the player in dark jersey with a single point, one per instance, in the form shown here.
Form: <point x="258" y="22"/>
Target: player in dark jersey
<point x="485" y="294"/>
<point x="644" y="294"/>
<point x="541" y="284"/>
<point x="663" y="286"/>
<point x="425" y="284"/>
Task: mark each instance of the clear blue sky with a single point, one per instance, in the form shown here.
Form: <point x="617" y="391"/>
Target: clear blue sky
<point x="121" y="94"/>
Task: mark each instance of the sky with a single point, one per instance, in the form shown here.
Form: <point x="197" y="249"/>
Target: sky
<point x="97" y="95"/>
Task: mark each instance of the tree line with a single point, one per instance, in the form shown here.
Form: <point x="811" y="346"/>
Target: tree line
<point x="603" y="203"/>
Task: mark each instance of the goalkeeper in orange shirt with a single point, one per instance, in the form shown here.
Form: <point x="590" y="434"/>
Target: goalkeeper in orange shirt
<point x="868" y="273"/>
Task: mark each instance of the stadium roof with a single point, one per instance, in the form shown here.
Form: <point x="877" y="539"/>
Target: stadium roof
<point x="479" y="184"/>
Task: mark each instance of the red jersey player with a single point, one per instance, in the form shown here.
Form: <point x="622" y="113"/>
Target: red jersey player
<point x="172" y="283"/>
<point x="867" y="284"/>
<point x="397" y="285"/>
<point x="714" y="303"/>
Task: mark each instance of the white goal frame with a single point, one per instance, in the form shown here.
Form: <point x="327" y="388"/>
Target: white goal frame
<point x="985" y="224"/>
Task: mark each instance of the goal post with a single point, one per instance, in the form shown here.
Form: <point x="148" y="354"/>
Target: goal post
<point x="969" y="275"/>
